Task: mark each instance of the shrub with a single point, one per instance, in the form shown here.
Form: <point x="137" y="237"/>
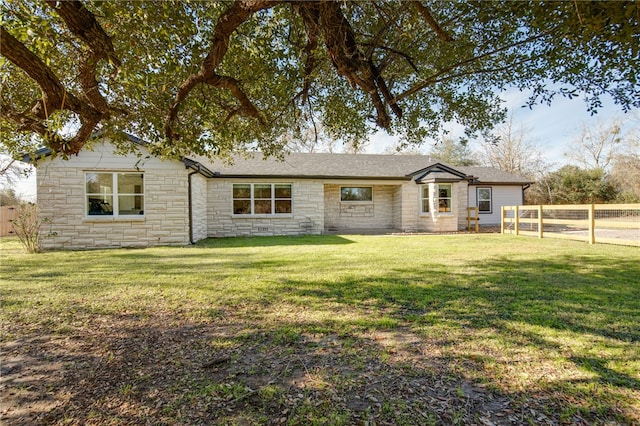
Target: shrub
<point x="27" y="226"/>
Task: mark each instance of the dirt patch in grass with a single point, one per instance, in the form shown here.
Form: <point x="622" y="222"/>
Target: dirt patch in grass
<point x="159" y="370"/>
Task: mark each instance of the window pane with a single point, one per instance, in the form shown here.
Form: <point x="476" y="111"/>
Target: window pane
<point x="444" y="191"/>
<point x="283" y="191"/>
<point x="241" y="191"/>
<point x="130" y="183"/>
<point x="484" y="206"/>
<point x="262" y="191"/>
<point x="241" y="207"/>
<point x="425" y="206"/>
<point x="425" y="191"/>
<point x="283" y="206"/>
<point x="444" y="205"/>
<point x="99" y="205"/>
<point x="356" y="193"/>
<point x="130" y="205"/>
<point x="484" y="194"/>
<point x="99" y="183"/>
<point x="262" y="207"/>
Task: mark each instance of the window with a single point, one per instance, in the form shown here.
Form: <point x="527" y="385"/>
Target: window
<point x="444" y="198"/>
<point x="114" y="194"/>
<point x="424" y="199"/>
<point x="261" y="198"/>
<point x="484" y="200"/>
<point x="356" y="193"/>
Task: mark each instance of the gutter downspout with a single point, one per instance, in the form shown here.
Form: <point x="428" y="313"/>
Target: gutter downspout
<point x="468" y="206"/>
<point x="191" y="204"/>
<point x="524" y="188"/>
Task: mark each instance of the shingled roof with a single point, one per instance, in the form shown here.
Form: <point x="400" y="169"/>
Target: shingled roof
<point x="351" y="166"/>
<point x="325" y="165"/>
<point x="492" y="175"/>
<point x="339" y="166"/>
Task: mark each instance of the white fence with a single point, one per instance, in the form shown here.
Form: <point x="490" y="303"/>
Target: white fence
<point x="593" y="223"/>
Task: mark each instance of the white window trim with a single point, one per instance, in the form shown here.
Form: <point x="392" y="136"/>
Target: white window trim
<point x="436" y="199"/>
<point x="356" y="201"/>
<point x="115" y="195"/>
<point x="421" y="199"/>
<point x="252" y="199"/>
<point x="490" y="211"/>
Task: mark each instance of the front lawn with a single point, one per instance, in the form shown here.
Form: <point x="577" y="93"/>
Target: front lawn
<point x="456" y="329"/>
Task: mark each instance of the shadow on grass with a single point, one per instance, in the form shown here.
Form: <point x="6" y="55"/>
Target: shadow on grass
<point x="603" y="300"/>
<point x="549" y="306"/>
<point x="164" y="371"/>
<point x="231" y="372"/>
<point x="605" y="374"/>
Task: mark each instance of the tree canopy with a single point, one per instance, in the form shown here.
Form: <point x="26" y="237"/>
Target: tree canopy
<point x="453" y="152"/>
<point x="213" y="77"/>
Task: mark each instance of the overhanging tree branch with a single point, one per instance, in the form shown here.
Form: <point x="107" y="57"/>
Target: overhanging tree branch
<point x="444" y="71"/>
<point x="84" y="26"/>
<point x="426" y="15"/>
<point x="90" y="108"/>
<point x="238" y="13"/>
<point x="54" y="95"/>
<point x="387" y="52"/>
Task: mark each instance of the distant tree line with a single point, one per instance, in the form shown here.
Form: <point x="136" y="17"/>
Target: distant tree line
<point x="603" y="162"/>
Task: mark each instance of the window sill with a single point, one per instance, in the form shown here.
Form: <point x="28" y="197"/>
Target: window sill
<point x="436" y="215"/>
<point x="111" y="219"/>
<point x="263" y="216"/>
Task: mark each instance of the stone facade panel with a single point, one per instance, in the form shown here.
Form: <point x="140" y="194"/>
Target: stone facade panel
<point x="61" y="196"/>
<point x="376" y="214"/>
<point x="307" y="211"/>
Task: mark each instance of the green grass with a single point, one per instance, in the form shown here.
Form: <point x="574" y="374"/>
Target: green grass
<point x="552" y="327"/>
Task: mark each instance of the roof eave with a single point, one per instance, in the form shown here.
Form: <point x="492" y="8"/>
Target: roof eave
<point x="39" y="154"/>
<point x="480" y="183"/>
<point x="197" y="167"/>
<point x="297" y="176"/>
<point x="440" y="166"/>
<point x="46" y="151"/>
<point x="439" y="180"/>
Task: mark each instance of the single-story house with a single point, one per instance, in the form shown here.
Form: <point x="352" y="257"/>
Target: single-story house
<point x="103" y="199"/>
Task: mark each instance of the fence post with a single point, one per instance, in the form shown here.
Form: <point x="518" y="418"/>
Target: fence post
<point x="503" y="210"/>
<point x="516" y="214"/>
<point x="540" y="221"/>
<point x="592" y="224"/>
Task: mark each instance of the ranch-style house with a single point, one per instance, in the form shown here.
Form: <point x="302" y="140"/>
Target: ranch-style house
<point x="102" y="199"/>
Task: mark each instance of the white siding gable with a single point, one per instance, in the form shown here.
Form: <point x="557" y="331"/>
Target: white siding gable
<point x="501" y="195"/>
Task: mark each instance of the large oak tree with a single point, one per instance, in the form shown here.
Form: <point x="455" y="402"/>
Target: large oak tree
<point x="213" y="77"/>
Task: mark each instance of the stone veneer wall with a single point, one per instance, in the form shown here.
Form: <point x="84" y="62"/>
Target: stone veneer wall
<point x="397" y="207"/>
<point x="199" y="206"/>
<point x="410" y="207"/>
<point x="307" y="216"/>
<point x="377" y="214"/>
<point x="462" y="199"/>
<point x="414" y="221"/>
<point x="61" y="197"/>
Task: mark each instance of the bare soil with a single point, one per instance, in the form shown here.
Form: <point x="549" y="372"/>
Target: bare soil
<point x="167" y="371"/>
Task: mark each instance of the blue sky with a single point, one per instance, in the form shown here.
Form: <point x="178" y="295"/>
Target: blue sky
<point x="552" y="128"/>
